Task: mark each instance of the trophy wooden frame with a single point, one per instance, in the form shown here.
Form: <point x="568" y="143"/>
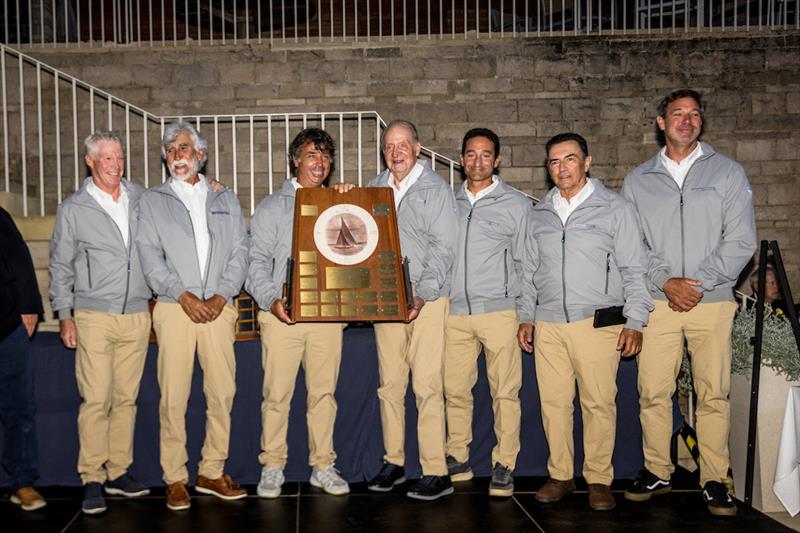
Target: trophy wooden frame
<point x="346" y="263"/>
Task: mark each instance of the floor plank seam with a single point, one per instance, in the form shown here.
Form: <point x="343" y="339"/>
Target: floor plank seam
<point x="535" y="523"/>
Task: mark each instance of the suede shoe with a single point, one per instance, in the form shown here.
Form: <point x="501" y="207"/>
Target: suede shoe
<point x="389" y="476"/>
<point x="554" y="490"/>
<point x="125" y="485"/>
<point x="600" y="497"/>
<point x="502" y="483"/>
<point x="646" y="486"/>
<point x="93" y="501"/>
<point x="178" y="497"/>
<point x="431" y="488"/>
<point x="222" y="487"/>
<point x="718" y="500"/>
<point x="458" y="471"/>
<point x="28" y="499"/>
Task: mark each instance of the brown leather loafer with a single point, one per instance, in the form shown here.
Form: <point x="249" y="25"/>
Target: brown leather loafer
<point x="222" y="487"/>
<point x="554" y="490"/>
<point x="28" y="499"/>
<point x="178" y="497"/>
<point x="600" y="497"/>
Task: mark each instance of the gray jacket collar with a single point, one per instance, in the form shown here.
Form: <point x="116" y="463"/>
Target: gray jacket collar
<point x="499" y="191"/>
<point x="83" y="197"/>
<point x="655" y="166"/>
<point x="601" y="196"/>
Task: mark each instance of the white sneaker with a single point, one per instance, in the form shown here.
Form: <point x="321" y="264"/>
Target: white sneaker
<point x="329" y="480"/>
<point x="271" y="482"/>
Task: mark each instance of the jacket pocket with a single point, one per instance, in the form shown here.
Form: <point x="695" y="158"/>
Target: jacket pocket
<point x="505" y="271"/>
<point x="88" y="268"/>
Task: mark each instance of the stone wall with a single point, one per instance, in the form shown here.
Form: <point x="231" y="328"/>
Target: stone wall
<point x="525" y="89"/>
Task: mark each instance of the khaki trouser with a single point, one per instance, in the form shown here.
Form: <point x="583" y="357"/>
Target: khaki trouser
<point x="464" y="336"/>
<point x="419" y="347"/>
<point x="178" y="337"/>
<point x="707" y="330"/>
<point x="564" y="354"/>
<point x="318" y="347"/>
<point x="108" y="366"/>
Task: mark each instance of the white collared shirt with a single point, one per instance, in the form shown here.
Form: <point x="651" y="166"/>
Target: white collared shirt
<point x="118" y="211"/>
<point x="565" y="207"/>
<point x="296" y="184"/>
<point x="480" y="194"/>
<point x="677" y="170"/>
<point x="194" y="198"/>
<point x="401" y="189"/>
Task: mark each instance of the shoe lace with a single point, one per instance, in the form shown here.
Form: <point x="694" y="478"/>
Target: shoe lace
<point x="271" y="476"/>
<point x="329" y="476"/>
<point x="501" y="473"/>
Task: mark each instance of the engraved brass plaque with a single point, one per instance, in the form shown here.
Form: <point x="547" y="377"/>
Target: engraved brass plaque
<point x="388" y="283"/>
<point x="307" y="210"/>
<point x="345" y="277"/>
<point x="369" y="310"/>
<point x="308" y="256"/>
<point x="347" y="296"/>
<point x="309" y="297"/>
<point x="389" y="309"/>
<point x="308" y="283"/>
<point x="309" y="310"/>
<point x="328" y="297"/>
<point x="387" y="268"/>
<point x="308" y="269"/>
<point x="380" y="209"/>
<point x="348" y="310"/>
<point x="388" y="296"/>
<point x="329" y="310"/>
<point x="387" y="256"/>
<point x="368" y="296"/>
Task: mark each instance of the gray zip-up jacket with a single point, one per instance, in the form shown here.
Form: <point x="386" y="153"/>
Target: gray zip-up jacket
<point x="595" y="260"/>
<point x="704" y="231"/>
<point x="487" y="272"/>
<point x="270" y="245"/>
<point x="426" y="218"/>
<point x="90" y="266"/>
<point x="167" y="247"/>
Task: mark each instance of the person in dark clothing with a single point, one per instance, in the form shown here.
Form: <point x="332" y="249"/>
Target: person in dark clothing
<point x="20" y="308"/>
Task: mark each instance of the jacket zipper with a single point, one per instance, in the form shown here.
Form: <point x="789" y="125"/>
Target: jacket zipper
<point x="608" y="270"/>
<point x="466" y="241"/>
<point x="683" y="242"/>
<point x="505" y="271"/>
<point x="564" y="270"/>
<point x="128" y="276"/>
<point x="88" y="268"/>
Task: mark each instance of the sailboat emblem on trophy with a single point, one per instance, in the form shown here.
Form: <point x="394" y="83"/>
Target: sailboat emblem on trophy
<point x="345" y="239"/>
<point x="346" y="234"/>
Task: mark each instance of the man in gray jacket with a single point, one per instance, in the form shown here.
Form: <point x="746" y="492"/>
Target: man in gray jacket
<point x="100" y="296"/>
<point x="696" y="213"/>
<point x="285" y="344"/>
<point x="426" y="218"/>
<point x="193" y="248"/>
<point x="484" y="295"/>
<point x="584" y="256"/>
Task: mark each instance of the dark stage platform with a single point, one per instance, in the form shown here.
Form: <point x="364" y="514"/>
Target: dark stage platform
<point x="357" y="432"/>
<point x="303" y="509"/>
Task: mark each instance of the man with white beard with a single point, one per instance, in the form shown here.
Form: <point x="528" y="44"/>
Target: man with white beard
<point x="193" y="248"/>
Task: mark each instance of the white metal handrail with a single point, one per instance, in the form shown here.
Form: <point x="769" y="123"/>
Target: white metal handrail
<point x="42" y="158"/>
<point x="209" y="22"/>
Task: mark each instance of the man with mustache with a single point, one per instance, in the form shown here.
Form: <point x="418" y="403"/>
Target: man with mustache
<point x="696" y="211"/>
<point x="193" y="247"/>
<point x="484" y="295"/>
<point x="285" y="344"/>
<point x="100" y="296"/>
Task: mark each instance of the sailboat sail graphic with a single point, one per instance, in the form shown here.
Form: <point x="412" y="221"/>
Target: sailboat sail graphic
<point x="345" y="238"/>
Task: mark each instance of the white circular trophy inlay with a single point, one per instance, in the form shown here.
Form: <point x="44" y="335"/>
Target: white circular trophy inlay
<point x="346" y="234"/>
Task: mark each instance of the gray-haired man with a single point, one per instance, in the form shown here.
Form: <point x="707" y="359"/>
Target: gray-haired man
<point x="193" y="247"/>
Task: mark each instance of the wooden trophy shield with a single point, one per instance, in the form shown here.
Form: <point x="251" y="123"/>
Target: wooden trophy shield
<point x="346" y="263"/>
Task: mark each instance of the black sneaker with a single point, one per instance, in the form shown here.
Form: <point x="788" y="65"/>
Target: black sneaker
<point x="431" y="488"/>
<point x="502" y="481"/>
<point x="389" y="476"/>
<point x="718" y="500"/>
<point x="125" y="485"/>
<point x="458" y="471"/>
<point x="646" y="486"/>
<point x="93" y="501"/>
